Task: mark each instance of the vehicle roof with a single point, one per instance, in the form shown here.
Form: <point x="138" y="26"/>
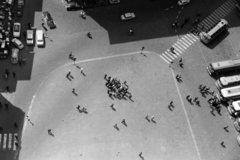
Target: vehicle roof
<point x="227" y="80"/>
<point x="231" y="91"/>
<point x="223" y="64"/>
<point x="236" y="105"/>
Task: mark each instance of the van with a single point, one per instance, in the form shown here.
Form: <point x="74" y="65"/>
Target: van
<point x="21" y="2"/>
<point x="15" y="56"/>
<point x="39" y="38"/>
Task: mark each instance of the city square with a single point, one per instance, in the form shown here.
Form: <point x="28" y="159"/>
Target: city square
<point x="61" y="108"/>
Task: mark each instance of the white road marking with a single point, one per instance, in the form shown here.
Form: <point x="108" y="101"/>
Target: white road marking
<point x="15" y="141"/>
<point x="9" y="140"/>
<point x="164" y="59"/>
<point x="4" y="141"/>
<point x="177" y="48"/>
<point x="186" y="115"/>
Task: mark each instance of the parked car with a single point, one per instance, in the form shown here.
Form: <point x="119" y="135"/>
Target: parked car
<point x="4" y="53"/>
<point x="15" y="56"/>
<point x="39" y="38"/>
<point x="89" y="3"/>
<point x="16" y="30"/>
<point x="48" y="19"/>
<point x="21" y="3"/>
<point x="17" y="43"/>
<point x="238" y="139"/>
<point x="19" y="11"/>
<point x="114" y="1"/>
<point x="128" y="16"/>
<point x="183" y="2"/>
<point x="102" y="2"/>
<point x="29" y="37"/>
<point x="72" y="6"/>
<point x="236" y="124"/>
<point x="2" y="14"/>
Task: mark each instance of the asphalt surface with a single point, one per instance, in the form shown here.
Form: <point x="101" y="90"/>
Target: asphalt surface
<point x="43" y="92"/>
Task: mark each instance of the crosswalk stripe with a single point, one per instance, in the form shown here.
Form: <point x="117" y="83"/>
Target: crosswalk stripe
<point x="223" y="10"/>
<point x="4" y="141"/>
<point x="14" y="141"/>
<point x="226" y="8"/>
<point x="223" y="13"/>
<point x="230" y="4"/>
<point x="184" y="44"/>
<point x="10" y="141"/>
<point x="210" y="21"/>
<point x="216" y="15"/>
<point x="169" y="54"/>
<point x="192" y="37"/>
<point x="179" y="46"/>
<point x="167" y="57"/>
<point x="177" y="49"/>
<point x="215" y="19"/>
<point x="207" y="24"/>
<point x="189" y="40"/>
<point x="0" y="141"/>
<point x="186" y="41"/>
<point x="164" y="59"/>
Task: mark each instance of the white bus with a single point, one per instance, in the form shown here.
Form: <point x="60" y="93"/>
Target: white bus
<point x="220" y="26"/>
<point x="230" y="93"/>
<point x="223" y="66"/>
<point x="230" y="81"/>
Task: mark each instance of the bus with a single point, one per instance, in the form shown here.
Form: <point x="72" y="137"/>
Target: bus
<point x="230" y="93"/>
<point x="230" y="81"/>
<point x="220" y="26"/>
<point x="223" y="66"/>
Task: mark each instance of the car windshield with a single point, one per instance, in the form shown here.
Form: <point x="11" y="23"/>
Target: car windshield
<point x="16" y="28"/>
<point x="18" y="42"/>
<point x="128" y="15"/>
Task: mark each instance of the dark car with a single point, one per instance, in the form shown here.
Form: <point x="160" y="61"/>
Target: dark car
<point x="19" y="11"/>
<point x="102" y="2"/>
<point x="89" y="3"/>
<point x="48" y="19"/>
<point x="72" y="6"/>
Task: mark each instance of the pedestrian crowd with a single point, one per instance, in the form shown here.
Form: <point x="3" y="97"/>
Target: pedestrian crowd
<point x="116" y="89"/>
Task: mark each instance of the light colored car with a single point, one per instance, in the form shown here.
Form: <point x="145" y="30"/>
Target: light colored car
<point x="114" y="1"/>
<point x="17" y="43"/>
<point x="128" y="16"/>
<point x="238" y="139"/>
<point x="21" y="2"/>
<point x="234" y="108"/>
<point x="15" y="56"/>
<point x="236" y="124"/>
<point x="183" y="2"/>
<point x="16" y="30"/>
<point x="30" y="40"/>
<point x="39" y="38"/>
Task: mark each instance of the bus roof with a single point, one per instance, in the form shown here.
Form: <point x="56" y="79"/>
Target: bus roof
<point x="227" y="80"/>
<point x="236" y="105"/>
<point x="225" y="64"/>
<point x="221" y="23"/>
<point x="230" y="92"/>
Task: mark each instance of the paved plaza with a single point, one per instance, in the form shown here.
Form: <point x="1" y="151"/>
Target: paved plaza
<point x="160" y="124"/>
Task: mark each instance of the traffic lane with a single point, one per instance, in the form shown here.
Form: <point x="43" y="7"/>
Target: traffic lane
<point x="152" y="89"/>
<point x="208" y="129"/>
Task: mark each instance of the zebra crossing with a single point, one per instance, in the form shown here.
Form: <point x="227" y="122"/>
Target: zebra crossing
<point x="8" y="141"/>
<point x="190" y="38"/>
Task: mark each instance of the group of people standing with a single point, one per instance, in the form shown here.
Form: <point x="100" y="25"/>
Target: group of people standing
<point x="117" y="89"/>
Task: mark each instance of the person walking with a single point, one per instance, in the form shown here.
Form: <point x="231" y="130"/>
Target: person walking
<point x="89" y="35"/>
<point x="50" y="132"/>
<point x="15" y="125"/>
<point x="116" y="127"/>
<point x="7" y="89"/>
<point x="124" y="122"/>
<point x="73" y="91"/>
<point x="147" y="118"/>
<point x="70" y="55"/>
<point x="226" y="129"/>
<point x="223" y="145"/>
